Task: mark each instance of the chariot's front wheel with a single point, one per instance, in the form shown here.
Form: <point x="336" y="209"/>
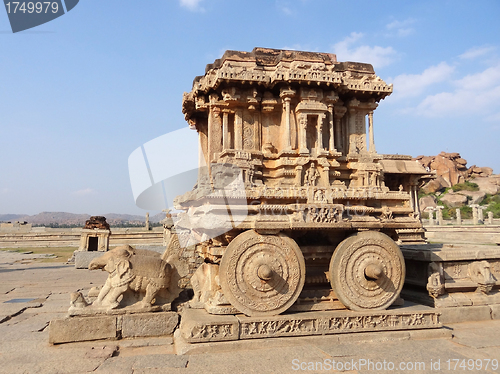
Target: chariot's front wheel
<point x="367" y="271"/>
<point x="262" y="275"/>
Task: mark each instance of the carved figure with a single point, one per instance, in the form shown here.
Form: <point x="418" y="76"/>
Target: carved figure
<point x="131" y="271"/>
<point x="435" y="287"/>
<point x="480" y="272"/>
<point x="311" y="175"/>
<point x="386" y="213"/>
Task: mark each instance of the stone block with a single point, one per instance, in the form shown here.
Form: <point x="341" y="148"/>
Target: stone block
<point x="465" y="314"/>
<point x="83" y="258"/>
<point x="198" y="326"/>
<point x="78" y="329"/>
<point x="149" y="324"/>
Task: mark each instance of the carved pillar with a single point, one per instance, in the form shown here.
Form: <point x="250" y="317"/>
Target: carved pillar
<point x="339" y="113"/>
<point x="226" y="136"/>
<point x="459" y="217"/>
<point x="370" y="130"/>
<point x="331" y="145"/>
<point x="238" y="129"/>
<point x="351" y="130"/>
<point x="256" y="128"/>
<point x="286" y="95"/>
<point x="298" y="175"/>
<point x="266" y="133"/>
<point x="490" y="218"/>
<point x="287" y="135"/>
<point x="326" y="176"/>
<point x="302" y="134"/>
<point x="319" y="133"/>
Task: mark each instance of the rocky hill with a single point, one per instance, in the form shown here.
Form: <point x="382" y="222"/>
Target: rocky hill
<point x="459" y="186"/>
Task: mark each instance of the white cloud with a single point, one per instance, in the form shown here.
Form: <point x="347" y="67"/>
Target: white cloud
<point x="401" y="28"/>
<point x="284" y="7"/>
<point x="84" y="192"/>
<point x="476" y="52"/>
<point x="474" y="94"/>
<point x="4" y="191"/>
<point x="407" y="85"/>
<point x="377" y="56"/>
<point x="192" y="5"/>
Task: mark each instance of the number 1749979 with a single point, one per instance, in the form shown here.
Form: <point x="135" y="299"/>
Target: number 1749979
<point x="32" y="7"/>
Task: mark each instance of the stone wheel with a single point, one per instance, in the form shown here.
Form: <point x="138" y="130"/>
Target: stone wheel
<point x="367" y="271"/>
<point x="262" y="275"/>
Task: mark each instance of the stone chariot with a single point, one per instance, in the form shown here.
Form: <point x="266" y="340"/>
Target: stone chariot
<point x="294" y="208"/>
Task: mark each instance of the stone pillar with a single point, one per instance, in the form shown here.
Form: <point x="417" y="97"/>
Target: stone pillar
<point x="474" y="214"/>
<point x="459" y="217"/>
<point x="339" y="113"/>
<point x="287" y="134"/>
<point x="326" y="176"/>
<point x="439" y="215"/>
<point x="370" y="130"/>
<point x="266" y="132"/>
<point x="490" y="218"/>
<point x="319" y="134"/>
<point x="302" y="134"/>
<point x="147" y="222"/>
<point x="431" y="217"/>
<point x="238" y="129"/>
<point x="298" y="175"/>
<point x="417" y="203"/>
<point x="226" y="136"/>
<point x="480" y="214"/>
<point x="286" y="94"/>
<point x="331" y="145"/>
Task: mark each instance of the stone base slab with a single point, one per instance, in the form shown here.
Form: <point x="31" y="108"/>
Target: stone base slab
<point x="453" y="299"/>
<point x="84" y="258"/>
<point x="198" y="326"/>
<point x="183" y="347"/>
<point x="85" y="328"/>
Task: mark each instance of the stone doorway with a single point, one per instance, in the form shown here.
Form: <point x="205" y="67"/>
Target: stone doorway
<point x="93" y="243"/>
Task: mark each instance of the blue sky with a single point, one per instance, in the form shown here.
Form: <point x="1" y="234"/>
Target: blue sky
<point x="79" y="94"/>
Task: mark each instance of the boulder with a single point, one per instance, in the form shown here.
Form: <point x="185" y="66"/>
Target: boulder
<point x="487" y="185"/>
<point x="96" y="222"/>
<point x="427" y="201"/>
<point x="486" y="171"/>
<point x="446" y="168"/>
<point x="454" y="200"/>
<point x="475" y="197"/>
<point x="452" y="167"/>
<point x="435" y="185"/>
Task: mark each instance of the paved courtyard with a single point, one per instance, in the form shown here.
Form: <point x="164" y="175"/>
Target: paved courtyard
<point x="32" y="293"/>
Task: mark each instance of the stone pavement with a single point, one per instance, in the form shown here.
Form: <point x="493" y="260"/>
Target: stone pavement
<point x="32" y="293"/>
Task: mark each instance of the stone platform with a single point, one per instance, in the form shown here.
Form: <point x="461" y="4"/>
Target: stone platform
<point x="197" y="326"/>
<point x="452" y="275"/>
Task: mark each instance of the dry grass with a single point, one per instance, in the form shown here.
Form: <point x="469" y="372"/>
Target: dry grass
<point x="62" y="253"/>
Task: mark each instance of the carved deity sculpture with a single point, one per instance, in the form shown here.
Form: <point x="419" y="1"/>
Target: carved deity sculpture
<point x="312" y="174"/>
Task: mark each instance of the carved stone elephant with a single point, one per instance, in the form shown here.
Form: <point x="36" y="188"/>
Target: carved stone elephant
<point x="132" y="273"/>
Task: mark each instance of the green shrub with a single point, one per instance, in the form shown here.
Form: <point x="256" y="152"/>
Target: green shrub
<point x="466" y="212"/>
<point x="466" y="186"/>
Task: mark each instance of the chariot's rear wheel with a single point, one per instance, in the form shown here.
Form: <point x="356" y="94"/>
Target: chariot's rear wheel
<point x="367" y="271"/>
<point x="262" y="275"/>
